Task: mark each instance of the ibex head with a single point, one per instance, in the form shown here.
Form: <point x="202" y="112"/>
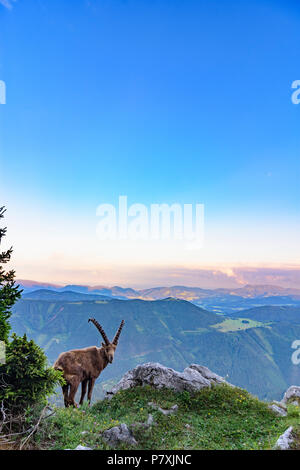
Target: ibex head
<point x="108" y="347"/>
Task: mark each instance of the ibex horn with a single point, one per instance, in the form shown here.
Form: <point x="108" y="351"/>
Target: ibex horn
<point x="116" y="338"/>
<point x="99" y="327"/>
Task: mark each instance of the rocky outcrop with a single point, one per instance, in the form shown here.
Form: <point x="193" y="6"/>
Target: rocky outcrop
<point x="292" y="396"/>
<point x="208" y="374"/>
<point x="286" y="440"/>
<point x="119" y="434"/>
<point x="193" y="378"/>
<point x="278" y="408"/>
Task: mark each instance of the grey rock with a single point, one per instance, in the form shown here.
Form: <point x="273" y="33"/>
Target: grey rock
<point x="80" y="447"/>
<point x="208" y="374"/>
<point x="285" y="440"/>
<point x="146" y="425"/>
<point x="278" y="410"/>
<point x="193" y="378"/>
<point x="150" y="420"/>
<point x="292" y="394"/>
<point x="119" y="434"/>
<point x="279" y="403"/>
<point x="171" y="411"/>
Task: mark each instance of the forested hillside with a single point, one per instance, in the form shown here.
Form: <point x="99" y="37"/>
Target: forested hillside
<point x="255" y="355"/>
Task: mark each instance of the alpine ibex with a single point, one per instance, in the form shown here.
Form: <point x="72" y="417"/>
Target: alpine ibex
<point x="85" y="365"/>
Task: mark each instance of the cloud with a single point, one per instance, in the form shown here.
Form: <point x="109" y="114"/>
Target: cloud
<point x="7" y="3"/>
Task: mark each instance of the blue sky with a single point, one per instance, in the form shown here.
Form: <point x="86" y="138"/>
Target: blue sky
<point x="163" y="101"/>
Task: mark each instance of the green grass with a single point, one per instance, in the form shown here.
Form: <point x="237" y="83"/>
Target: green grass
<point x="218" y="418"/>
<point x="237" y="324"/>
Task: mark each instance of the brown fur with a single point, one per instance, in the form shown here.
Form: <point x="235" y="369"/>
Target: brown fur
<point x="84" y="366"/>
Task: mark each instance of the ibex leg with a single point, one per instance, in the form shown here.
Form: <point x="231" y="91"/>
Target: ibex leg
<point x="65" y="390"/>
<point x="90" y="390"/>
<point x="74" y="384"/>
<point x="83" y="391"/>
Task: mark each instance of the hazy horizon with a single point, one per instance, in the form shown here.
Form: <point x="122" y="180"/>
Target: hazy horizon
<point x="207" y="279"/>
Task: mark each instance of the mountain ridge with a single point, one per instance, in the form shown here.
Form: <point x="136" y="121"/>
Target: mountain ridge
<point x="255" y="289"/>
<point x="221" y="300"/>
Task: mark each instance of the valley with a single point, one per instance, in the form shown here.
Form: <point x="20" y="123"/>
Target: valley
<point x="250" y="350"/>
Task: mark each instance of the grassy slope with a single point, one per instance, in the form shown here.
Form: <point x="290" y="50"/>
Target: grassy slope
<point x="217" y="418"/>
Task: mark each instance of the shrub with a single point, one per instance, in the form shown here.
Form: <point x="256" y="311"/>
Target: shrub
<point x="26" y="376"/>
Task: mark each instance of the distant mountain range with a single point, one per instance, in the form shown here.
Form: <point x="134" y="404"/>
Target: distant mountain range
<point x="216" y="300"/>
<point x="252" y="348"/>
<point x="50" y="295"/>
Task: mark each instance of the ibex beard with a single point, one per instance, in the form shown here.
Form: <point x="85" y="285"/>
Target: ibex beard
<point x="85" y="365"/>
